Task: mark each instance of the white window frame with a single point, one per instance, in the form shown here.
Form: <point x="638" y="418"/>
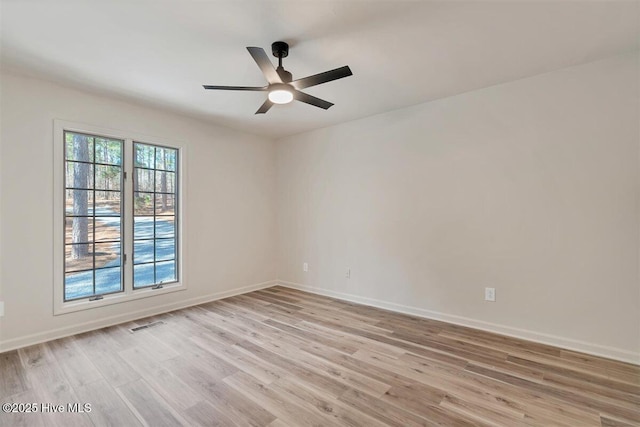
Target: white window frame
<point x="129" y="294"/>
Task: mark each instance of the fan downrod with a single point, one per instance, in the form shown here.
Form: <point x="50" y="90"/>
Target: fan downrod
<point x="281" y="50"/>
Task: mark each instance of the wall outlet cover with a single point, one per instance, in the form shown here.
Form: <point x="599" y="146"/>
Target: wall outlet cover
<point x="490" y="294"/>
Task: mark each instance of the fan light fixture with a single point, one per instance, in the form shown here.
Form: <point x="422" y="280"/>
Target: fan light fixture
<point x="281" y="95"/>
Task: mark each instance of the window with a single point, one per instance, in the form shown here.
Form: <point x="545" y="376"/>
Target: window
<point x="93" y="220"/>
<point x="154" y="221"/>
<point x="117" y="216"/>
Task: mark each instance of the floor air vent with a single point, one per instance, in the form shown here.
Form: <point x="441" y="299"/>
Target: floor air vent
<point x="147" y="326"/>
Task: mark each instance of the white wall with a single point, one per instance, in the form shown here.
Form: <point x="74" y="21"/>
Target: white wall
<point x="531" y="187"/>
<point x="230" y="221"/>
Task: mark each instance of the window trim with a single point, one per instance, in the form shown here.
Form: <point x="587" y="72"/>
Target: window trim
<point x="129" y="293"/>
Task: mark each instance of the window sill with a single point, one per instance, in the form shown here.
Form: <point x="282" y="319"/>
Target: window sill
<point x="85" y="304"/>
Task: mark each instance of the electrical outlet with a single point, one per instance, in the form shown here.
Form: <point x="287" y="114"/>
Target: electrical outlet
<point x="348" y="274"/>
<point x="305" y="267"/>
<point x="490" y="294"/>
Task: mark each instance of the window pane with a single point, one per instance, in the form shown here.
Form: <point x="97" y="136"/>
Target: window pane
<point x="78" y="147"/>
<point x="165" y="249"/>
<point x="78" y="230"/>
<point x="107" y="255"/>
<point x="78" y="285"/>
<point x="166" y="272"/>
<point x="108" y="203"/>
<point x="93" y="205"/>
<point x="107" y="228"/>
<point x="143" y="275"/>
<point x="143" y="204"/>
<point x="144" y="156"/>
<point x="78" y="257"/>
<point x="107" y="177"/>
<point x="143" y="227"/>
<point x="142" y="251"/>
<point x="155" y="209"/>
<point x="165" y="204"/>
<point x="108" y="280"/>
<point x="165" y="182"/>
<point x="165" y="226"/>
<point x="166" y="159"/>
<point x="144" y="180"/>
<point x="79" y="175"/>
<point x="108" y="151"/>
<point x="79" y="202"/>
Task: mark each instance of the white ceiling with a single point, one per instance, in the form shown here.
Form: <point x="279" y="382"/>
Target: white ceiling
<point x="401" y="53"/>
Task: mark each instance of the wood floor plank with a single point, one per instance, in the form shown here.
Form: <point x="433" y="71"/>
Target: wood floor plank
<point x="598" y="362"/>
<point x="388" y="413"/>
<point x="204" y="414"/>
<point x="166" y="384"/>
<point x="500" y="342"/>
<point x="330" y="385"/>
<point x="77" y="367"/>
<point x="539" y="408"/>
<point x="12" y="375"/>
<point x="284" y="357"/>
<point x="591" y="387"/>
<point x="148" y="406"/>
<point x="35" y="355"/>
<point x="23" y="418"/>
<point x="239" y="407"/>
<point x="574" y="399"/>
<point x="52" y="390"/>
<point x="425" y="401"/>
<point x="481" y="413"/>
<point x="333" y="410"/>
<point x="339" y="345"/>
<point x="101" y="349"/>
<point x="244" y="361"/>
<point x="275" y="301"/>
<point x="107" y="408"/>
<point x="586" y="377"/>
<point x="610" y="422"/>
<point x="368" y="343"/>
<point x="276" y="403"/>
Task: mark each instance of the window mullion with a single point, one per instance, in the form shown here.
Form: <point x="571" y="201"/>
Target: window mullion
<point x="127" y="215"/>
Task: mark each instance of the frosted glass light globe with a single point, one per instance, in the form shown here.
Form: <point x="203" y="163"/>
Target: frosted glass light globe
<point x="280" y="96"/>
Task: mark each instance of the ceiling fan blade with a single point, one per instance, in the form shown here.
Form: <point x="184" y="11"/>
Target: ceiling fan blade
<point x="325" y="77"/>
<point x="265" y="107"/>
<point x="311" y="100"/>
<point x="235" y="88"/>
<point x="265" y="64"/>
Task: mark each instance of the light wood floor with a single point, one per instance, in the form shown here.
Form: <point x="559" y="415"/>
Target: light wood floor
<point x="284" y="357"/>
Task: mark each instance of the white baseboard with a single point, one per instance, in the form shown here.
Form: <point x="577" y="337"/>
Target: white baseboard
<point x="542" y="338"/>
<point x="53" y="334"/>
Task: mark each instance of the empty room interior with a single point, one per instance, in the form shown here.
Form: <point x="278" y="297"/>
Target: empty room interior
<point x="319" y="213"/>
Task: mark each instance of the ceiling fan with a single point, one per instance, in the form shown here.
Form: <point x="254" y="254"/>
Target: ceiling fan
<point x="282" y="88"/>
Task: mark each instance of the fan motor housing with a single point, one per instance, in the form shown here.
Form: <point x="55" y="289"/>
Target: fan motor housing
<point x="280" y="49"/>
